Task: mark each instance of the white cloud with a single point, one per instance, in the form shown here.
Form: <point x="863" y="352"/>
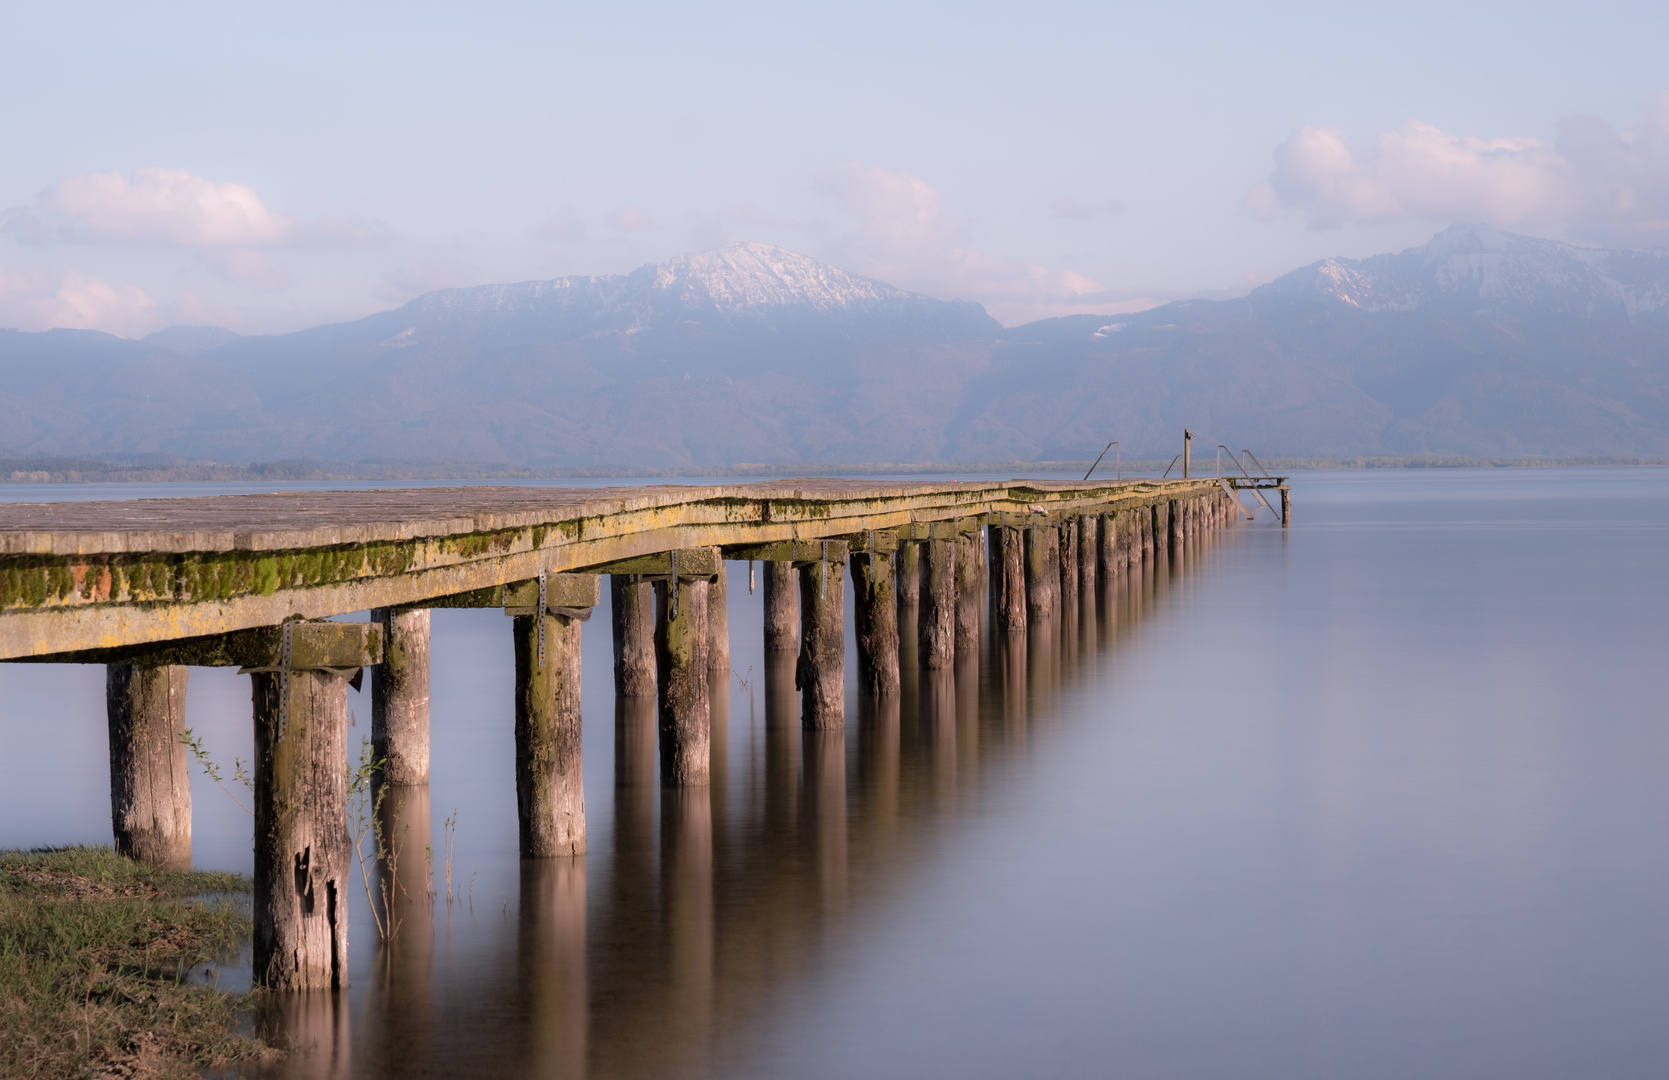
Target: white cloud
<point x="563" y="227"/>
<point x="1593" y="181"/>
<point x="630" y="219"/>
<point x="30" y="299"/>
<point x="166" y="208"/>
<point x="899" y="233"/>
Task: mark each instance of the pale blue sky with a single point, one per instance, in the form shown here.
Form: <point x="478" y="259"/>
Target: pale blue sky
<point x="1039" y="158"/>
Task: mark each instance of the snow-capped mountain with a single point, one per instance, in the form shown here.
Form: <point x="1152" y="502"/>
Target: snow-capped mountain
<point x="1474" y="267"/>
<point x="1478" y="343"/>
<point x="743" y="281"/>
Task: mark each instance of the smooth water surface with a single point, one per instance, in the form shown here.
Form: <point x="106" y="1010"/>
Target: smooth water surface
<point x="1379" y="795"/>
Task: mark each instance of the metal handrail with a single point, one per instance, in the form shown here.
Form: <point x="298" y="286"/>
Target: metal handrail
<point x="1255" y="492"/>
<point x="1256" y="462"/>
<point x="1119" y="457"/>
<point x="1171" y="466"/>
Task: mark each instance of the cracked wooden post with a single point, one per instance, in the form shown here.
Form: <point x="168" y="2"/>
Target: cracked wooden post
<point x="875" y="618"/>
<point x="400" y="696"/>
<point x="969" y="594"/>
<point x="632" y="622"/>
<point x="302" y="852"/>
<point x="150" y="779"/>
<point x="821" y="672"/>
<point x="937" y="628"/>
<point x="782" y="608"/>
<point x="1008" y="559"/>
<point x="681" y="641"/>
<point x="1042" y="575"/>
<point x="550" y="789"/>
<point x="1068" y="564"/>
<point x="550" y="786"/>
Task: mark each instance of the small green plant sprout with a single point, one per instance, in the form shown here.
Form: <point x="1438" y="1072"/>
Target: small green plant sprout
<point x="451" y="837"/>
<point x="240" y="773"/>
<point x="365" y="802"/>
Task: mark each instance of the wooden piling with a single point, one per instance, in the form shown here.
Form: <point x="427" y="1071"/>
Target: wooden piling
<point x="632" y="606"/>
<point x="150" y="779"/>
<point x="302" y="851"/>
<point x="1042" y="574"/>
<point x="936" y="630"/>
<point x="718" y="624"/>
<point x="782" y="608"/>
<point x="400" y="696"/>
<point x="970" y="594"/>
<point x="821" y="672"/>
<point x="1286" y="506"/>
<point x="1068" y="563"/>
<point x="1089" y="554"/>
<point x="1008" y="560"/>
<point x="875" y="619"/>
<point x="550" y="788"/>
<point x="907" y="570"/>
<point x="681" y="655"/>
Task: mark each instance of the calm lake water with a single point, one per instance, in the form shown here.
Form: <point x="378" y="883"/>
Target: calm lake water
<point x="1385" y="794"/>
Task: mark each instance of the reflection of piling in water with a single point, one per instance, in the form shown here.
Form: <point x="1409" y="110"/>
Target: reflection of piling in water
<point x="782" y="742"/>
<point x="634" y="775"/>
<point x="825" y="801"/>
<point x="1016" y="665"/>
<point x="550" y="940"/>
<point x="316" y="1025"/>
<point x="937" y="721"/>
<point x="687" y="906"/>
<point x="878" y="759"/>
<point x="967" y="719"/>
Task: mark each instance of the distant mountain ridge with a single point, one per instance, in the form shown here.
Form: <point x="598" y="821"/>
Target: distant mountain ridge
<point x="1482" y="267"/>
<point x="1479" y="343"/>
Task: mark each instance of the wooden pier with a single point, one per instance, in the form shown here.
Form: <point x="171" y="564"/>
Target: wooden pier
<point x="153" y="587"/>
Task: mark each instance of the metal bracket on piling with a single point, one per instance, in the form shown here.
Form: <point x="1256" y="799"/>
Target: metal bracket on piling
<point x="823" y="573"/>
<point x="672" y="588"/>
<point x="541" y="618"/>
<point x="284" y="652"/>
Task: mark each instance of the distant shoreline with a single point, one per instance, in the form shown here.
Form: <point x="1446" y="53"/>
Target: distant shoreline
<point x="52" y="470"/>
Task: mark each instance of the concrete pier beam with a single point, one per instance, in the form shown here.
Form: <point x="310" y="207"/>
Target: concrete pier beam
<point x="875" y="618"/>
<point x="1042" y="573"/>
<point x="782" y="608"/>
<point x="150" y="779"/>
<point x="936" y="629"/>
<point x="681" y="639"/>
<point x="970" y="593"/>
<point x="302" y="851"/>
<point x="821" y="673"/>
<point x="400" y="696"/>
<point x="550" y="789"/>
<point x="632" y="618"/>
<point x="1008" y="578"/>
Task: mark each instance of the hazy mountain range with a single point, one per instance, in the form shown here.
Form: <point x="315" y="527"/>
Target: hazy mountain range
<point x="1478" y="343"/>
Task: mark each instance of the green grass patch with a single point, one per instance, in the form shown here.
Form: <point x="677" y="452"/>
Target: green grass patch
<point x="94" y="950"/>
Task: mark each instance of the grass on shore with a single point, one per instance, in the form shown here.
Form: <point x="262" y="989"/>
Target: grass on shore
<point x="94" y="949"/>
